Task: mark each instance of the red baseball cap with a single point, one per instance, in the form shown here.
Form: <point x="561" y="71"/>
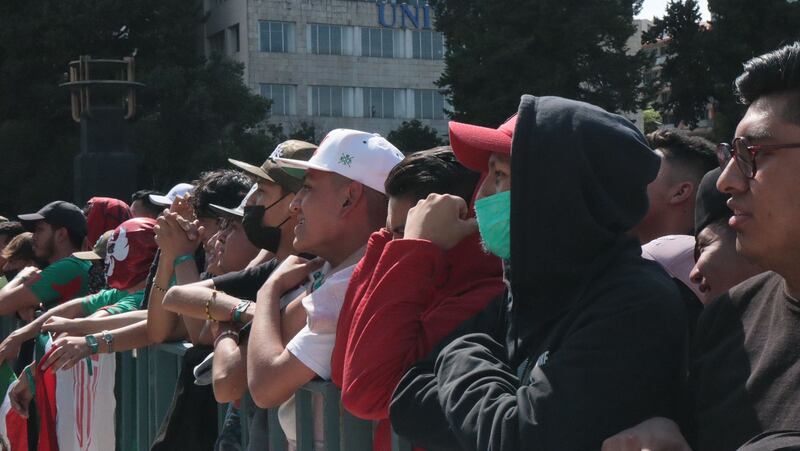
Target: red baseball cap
<point x="473" y="144"/>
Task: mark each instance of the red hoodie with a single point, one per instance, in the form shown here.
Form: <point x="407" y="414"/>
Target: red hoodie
<point x="404" y="296"/>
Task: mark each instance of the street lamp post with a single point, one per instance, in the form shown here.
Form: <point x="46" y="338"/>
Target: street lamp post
<point x="103" y="100"/>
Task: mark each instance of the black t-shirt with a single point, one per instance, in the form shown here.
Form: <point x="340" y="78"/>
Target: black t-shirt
<point x="745" y="375"/>
<point x="245" y="284"/>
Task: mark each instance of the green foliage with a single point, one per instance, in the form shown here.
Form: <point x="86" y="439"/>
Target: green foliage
<point x="304" y="131"/>
<point x="685" y="70"/>
<point x="652" y="120"/>
<point x="193" y="113"/>
<point x="743" y="29"/>
<point x="704" y="63"/>
<point x="412" y="136"/>
<point x="499" y="50"/>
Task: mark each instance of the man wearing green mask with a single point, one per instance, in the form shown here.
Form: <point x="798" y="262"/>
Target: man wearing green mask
<point x="588" y="336"/>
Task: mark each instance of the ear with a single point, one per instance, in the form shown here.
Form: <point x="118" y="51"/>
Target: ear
<point x="681" y="193"/>
<point x="352" y="195"/>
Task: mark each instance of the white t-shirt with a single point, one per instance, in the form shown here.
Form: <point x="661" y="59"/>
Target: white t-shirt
<point x="313" y="345"/>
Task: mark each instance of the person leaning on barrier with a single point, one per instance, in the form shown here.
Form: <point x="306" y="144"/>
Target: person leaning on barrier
<point x="183" y="233"/>
<point x="407" y="293"/>
<point x="59" y="229"/>
<point x="341" y="203"/>
<point x="268" y="223"/>
<point x="131" y="249"/>
<point x="589" y="336"/>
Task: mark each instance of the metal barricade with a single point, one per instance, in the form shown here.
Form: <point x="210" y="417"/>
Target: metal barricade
<point x="146" y="380"/>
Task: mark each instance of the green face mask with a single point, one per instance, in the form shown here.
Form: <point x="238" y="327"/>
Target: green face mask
<point x="494" y="223"/>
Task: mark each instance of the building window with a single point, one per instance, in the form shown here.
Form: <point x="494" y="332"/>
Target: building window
<point x="380" y="42"/>
<point x="233" y="32"/>
<point x="331" y="101"/>
<point x="216" y="42"/>
<point x="384" y="103"/>
<point x="276" y="37"/>
<point x="428" y="104"/>
<point x="428" y="45"/>
<point x="330" y="39"/>
<point x="284" y="100"/>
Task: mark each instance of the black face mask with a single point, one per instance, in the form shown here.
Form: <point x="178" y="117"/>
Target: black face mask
<point x="267" y="238"/>
<point x="10" y="274"/>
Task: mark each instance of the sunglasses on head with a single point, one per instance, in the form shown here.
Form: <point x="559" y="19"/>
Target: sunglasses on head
<point x="745" y="154"/>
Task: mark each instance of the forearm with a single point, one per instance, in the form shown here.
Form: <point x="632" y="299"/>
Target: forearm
<point x="229" y="370"/>
<point x="267" y="358"/>
<point x="15" y="297"/>
<point x="132" y="336"/>
<point x="69" y="309"/>
<point x="186" y="272"/>
<point x="266" y="333"/>
<point x="91" y="325"/>
<point x="161" y="323"/>
<point x="193" y="299"/>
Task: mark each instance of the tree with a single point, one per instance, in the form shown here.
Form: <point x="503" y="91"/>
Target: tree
<point x="740" y="30"/>
<point x="303" y="131"/>
<point x="685" y="70"/>
<point x="412" y="136"/>
<point x="497" y="51"/>
<point x="193" y="113"/>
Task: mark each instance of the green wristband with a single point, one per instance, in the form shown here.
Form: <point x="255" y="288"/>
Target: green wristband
<point x="181" y="259"/>
<point x="94" y="347"/>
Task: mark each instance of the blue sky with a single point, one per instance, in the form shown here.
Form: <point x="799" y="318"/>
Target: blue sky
<point x="652" y="8"/>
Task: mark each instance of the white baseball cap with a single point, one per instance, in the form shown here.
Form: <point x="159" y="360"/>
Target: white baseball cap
<point x="178" y="190"/>
<point x="364" y="157"/>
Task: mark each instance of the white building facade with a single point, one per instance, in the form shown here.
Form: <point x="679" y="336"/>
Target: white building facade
<point x="362" y="64"/>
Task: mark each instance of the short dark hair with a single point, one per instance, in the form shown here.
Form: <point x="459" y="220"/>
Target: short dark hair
<point x="11" y="229"/>
<point x="431" y="171"/>
<point x="695" y="156"/>
<point x="143" y="195"/>
<point x="75" y="238"/>
<point x="771" y="73"/>
<point x="224" y="187"/>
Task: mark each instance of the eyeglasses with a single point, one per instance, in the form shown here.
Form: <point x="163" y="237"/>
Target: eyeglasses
<point x="745" y="154"/>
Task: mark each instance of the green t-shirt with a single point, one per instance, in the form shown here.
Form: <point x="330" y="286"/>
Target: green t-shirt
<point x="62" y="281"/>
<point x="113" y="301"/>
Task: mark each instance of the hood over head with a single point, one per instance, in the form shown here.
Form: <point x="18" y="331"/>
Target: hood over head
<point x="105" y="213"/>
<point x="130" y="252"/>
<point x="579" y="184"/>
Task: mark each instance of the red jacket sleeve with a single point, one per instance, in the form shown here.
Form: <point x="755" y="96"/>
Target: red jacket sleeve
<point x="415" y="298"/>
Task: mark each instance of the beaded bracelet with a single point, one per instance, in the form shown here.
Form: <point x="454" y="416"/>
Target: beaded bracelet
<point x="158" y="288"/>
<point x="208" y="305"/>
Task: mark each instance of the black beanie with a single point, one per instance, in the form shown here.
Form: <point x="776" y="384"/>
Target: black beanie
<point x="711" y="204"/>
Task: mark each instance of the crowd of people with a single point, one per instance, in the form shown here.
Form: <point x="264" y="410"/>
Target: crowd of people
<point x="560" y="282"/>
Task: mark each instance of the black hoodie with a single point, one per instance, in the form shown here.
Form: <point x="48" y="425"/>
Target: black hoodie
<point x="591" y="338"/>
